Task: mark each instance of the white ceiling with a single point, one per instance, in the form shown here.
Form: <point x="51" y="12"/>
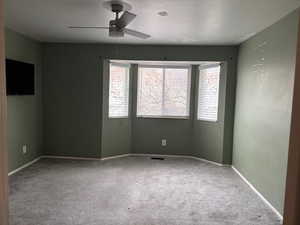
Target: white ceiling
<point x="189" y="22"/>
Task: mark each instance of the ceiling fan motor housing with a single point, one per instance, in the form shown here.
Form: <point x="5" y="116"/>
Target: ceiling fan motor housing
<point x="115" y="31"/>
<point x="118" y="27"/>
<point x="116" y="7"/>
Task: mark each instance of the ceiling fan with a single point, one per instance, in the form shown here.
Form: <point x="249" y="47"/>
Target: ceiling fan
<point x="117" y="27"/>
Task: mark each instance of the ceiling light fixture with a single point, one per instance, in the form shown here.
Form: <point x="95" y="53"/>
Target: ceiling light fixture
<point x="118" y="26"/>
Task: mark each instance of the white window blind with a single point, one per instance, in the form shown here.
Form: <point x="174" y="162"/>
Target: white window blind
<point x="163" y="91"/>
<point x="208" y="93"/>
<point x="118" y="90"/>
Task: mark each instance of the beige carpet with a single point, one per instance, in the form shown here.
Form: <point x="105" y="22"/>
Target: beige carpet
<point x="133" y="191"/>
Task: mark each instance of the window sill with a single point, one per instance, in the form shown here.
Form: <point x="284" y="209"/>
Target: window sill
<point x="164" y="117"/>
<point x="208" y="121"/>
<point x="118" y="117"/>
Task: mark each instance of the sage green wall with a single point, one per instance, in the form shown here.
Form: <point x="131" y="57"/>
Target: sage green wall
<point x="24" y="113"/>
<point x="116" y="132"/>
<point x="73" y="79"/>
<point x="147" y="133"/>
<point x="72" y="97"/>
<point x="209" y="137"/>
<point x="263" y="108"/>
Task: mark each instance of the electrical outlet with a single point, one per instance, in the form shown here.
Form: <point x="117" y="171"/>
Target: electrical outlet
<point x="24" y="149"/>
<point x="163" y="142"/>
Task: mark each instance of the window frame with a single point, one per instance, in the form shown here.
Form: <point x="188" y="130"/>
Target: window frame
<point x="202" y="67"/>
<point x="128" y="67"/>
<point x="164" y="67"/>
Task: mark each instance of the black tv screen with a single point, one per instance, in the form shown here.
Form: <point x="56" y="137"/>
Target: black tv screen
<point x="19" y="78"/>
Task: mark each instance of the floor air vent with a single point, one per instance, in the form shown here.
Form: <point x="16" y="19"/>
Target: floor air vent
<point x="157" y="158"/>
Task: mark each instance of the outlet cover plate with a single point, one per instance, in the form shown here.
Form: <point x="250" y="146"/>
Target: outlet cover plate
<point x="24" y="149"/>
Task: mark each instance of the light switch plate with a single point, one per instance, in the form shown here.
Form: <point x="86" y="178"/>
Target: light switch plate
<point x="164" y="142"/>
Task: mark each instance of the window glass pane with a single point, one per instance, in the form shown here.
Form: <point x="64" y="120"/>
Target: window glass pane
<point x="176" y="99"/>
<point x="163" y="92"/>
<point x="150" y="92"/>
<point x="208" y="96"/>
<point x="118" y="91"/>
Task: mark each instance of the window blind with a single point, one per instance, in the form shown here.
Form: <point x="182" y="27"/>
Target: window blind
<point x="118" y="90"/>
<point x="163" y="92"/>
<point x="208" y="93"/>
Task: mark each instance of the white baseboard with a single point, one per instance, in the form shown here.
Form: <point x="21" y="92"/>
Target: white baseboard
<point x="259" y="194"/>
<point x="208" y="161"/>
<point x="108" y="158"/>
<point x="177" y="156"/>
<point x="69" y="157"/>
<point x="84" y="158"/>
<point x="24" y="166"/>
<point x="115" y="157"/>
<point x="133" y="154"/>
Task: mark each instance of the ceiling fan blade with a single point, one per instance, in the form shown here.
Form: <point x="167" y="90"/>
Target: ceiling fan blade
<point x="136" y="33"/>
<point x="87" y="27"/>
<point x="125" y="19"/>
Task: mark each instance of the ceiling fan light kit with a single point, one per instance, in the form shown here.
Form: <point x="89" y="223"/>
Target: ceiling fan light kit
<point x="117" y="27"/>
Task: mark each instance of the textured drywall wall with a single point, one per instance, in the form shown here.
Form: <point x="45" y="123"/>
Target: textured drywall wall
<point x="24" y="113"/>
<point x="147" y="133"/>
<point x="116" y="132"/>
<point x="73" y="81"/>
<point x="263" y="108"/>
<point x="209" y="136"/>
<point x="72" y="100"/>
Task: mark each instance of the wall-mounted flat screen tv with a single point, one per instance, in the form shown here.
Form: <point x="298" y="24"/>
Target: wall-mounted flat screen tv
<point x="19" y="78"/>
